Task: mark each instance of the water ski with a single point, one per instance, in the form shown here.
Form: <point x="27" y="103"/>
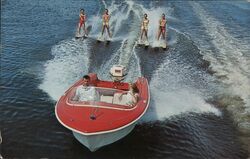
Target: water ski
<point x="160" y="44"/>
<point x="103" y="39"/>
<point x="146" y="43"/>
<point x="163" y="45"/>
<point x="108" y="40"/>
<point x="82" y="34"/>
<point x="143" y="42"/>
<point x="100" y="39"/>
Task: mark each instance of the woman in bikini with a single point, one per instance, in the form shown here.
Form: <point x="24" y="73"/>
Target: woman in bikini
<point x="144" y="26"/>
<point x="105" y="23"/>
<point x="82" y="21"/>
<point x="162" y="27"/>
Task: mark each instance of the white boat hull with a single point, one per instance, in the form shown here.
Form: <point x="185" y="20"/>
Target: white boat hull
<point x="94" y="142"/>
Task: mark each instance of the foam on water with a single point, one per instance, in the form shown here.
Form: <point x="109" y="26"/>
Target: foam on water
<point x="229" y="63"/>
<point x="71" y="60"/>
<point x="171" y="103"/>
<point x="170" y="97"/>
<point x="127" y="46"/>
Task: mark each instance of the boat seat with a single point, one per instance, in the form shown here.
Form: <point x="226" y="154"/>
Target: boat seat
<point x="107" y="99"/>
<point x="117" y="100"/>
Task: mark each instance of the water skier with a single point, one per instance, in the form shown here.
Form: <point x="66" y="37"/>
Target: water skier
<point x="82" y="21"/>
<point x="162" y="27"/>
<point x="105" y="23"/>
<point x="144" y="26"/>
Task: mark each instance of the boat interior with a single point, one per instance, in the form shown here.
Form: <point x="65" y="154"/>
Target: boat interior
<point x="106" y="95"/>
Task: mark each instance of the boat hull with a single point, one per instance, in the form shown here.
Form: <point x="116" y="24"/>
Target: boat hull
<point x="94" y="142"/>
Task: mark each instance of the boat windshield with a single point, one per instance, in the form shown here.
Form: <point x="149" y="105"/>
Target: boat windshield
<point x="84" y="95"/>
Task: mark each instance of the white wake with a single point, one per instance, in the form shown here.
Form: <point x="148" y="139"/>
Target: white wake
<point x="70" y="62"/>
<point x="229" y="62"/>
<point x="170" y="96"/>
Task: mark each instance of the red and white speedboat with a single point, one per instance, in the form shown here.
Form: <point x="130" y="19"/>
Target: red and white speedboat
<point x="104" y="121"/>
